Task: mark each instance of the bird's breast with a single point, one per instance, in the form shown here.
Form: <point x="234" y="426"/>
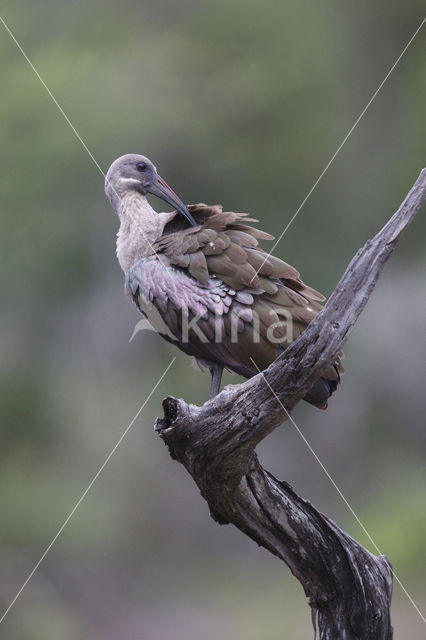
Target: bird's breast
<point x="139" y="230"/>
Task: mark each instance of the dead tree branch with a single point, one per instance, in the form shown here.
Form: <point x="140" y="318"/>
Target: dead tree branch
<point x="349" y="588"/>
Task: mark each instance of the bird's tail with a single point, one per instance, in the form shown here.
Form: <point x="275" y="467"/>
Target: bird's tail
<point x="323" y="388"/>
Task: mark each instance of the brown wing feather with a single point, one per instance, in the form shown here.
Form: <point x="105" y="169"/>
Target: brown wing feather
<point x="224" y="247"/>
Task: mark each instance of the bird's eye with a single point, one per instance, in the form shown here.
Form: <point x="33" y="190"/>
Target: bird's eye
<point x="141" y="166"/>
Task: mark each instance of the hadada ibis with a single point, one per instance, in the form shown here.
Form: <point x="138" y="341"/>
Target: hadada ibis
<point x="198" y="274"/>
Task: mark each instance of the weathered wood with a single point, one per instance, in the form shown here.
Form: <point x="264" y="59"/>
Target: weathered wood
<point x="349" y="588"/>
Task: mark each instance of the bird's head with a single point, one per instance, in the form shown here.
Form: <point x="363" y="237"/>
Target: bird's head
<point x="133" y="172"/>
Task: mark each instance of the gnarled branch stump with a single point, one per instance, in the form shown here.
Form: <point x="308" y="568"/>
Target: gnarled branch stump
<point x="349" y="588"/>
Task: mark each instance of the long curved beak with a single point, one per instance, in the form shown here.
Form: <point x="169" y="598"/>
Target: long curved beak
<point x="161" y="189"/>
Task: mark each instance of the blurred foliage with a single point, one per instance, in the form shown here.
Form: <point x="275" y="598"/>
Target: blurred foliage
<point x="238" y="102"/>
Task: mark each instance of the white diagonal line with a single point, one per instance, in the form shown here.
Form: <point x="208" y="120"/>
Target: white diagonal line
<point x="85" y="492"/>
<point x="345" y="139"/>
<point x="339" y="491"/>
<point x="52" y="96"/>
<point x="153" y="390"/>
<point x="70" y="124"/>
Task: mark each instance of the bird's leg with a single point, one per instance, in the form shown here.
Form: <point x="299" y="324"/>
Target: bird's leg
<point x="216" y="371"/>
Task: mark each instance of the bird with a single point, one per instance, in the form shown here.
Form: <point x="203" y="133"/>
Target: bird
<point x="199" y="276"/>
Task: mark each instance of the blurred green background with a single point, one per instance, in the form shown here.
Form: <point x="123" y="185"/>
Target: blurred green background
<point x="238" y="102"/>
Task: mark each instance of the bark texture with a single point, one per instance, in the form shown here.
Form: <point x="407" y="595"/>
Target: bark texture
<point x="349" y="588"/>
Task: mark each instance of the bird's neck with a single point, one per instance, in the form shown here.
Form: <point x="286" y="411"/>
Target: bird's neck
<point x="140" y="227"/>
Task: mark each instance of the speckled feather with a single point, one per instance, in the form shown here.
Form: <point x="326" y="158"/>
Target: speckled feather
<point x="210" y="271"/>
